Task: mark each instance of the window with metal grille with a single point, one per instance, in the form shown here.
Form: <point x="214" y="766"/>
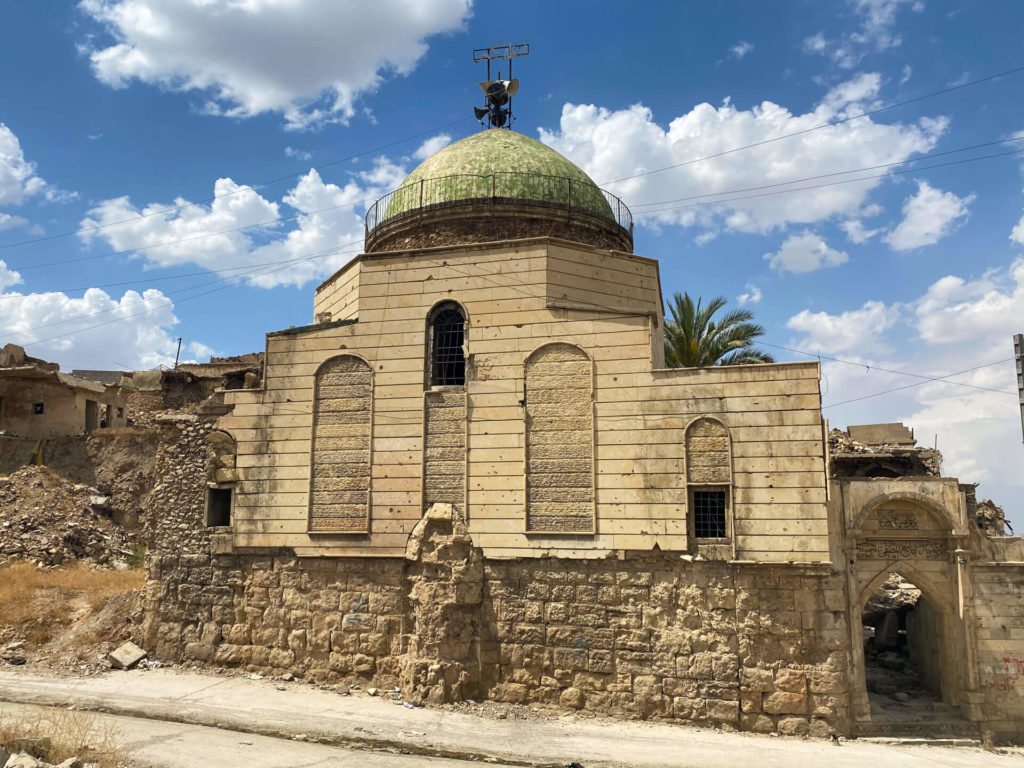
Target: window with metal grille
<point x="707" y="506"/>
<point x="447" y="358"/>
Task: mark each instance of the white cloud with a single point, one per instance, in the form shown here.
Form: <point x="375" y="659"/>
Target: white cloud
<point x="328" y="217"/>
<point x="858" y="331"/>
<point x="309" y="60"/>
<point x="856" y="232"/>
<point x="298" y="154"/>
<point x="907" y="72"/>
<point x="432" y="145"/>
<point x="10" y="221"/>
<point x="876" y="32"/>
<point x="18" y="179"/>
<point x="741" y="49"/>
<point x="752" y="296"/>
<point x="138" y="338"/>
<point x="928" y="216"/>
<point x="806" y="252"/>
<point x="1017" y="233"/>
<point x="956" y="325"/>
<point x="613" y="145"/>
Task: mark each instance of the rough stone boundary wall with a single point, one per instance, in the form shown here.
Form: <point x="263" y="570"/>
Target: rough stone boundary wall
<point x="652" y="635"/>
<point x="999" y="617"/>
<point x="651" y="638"/>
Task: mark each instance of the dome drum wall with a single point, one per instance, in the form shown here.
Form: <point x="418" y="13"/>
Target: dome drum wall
<point x="510" y="185"/>
<point x="486" y="220"/>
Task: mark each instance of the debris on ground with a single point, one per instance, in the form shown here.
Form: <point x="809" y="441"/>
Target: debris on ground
<point x="126" y="656"/>
<point x="48" y="520"/>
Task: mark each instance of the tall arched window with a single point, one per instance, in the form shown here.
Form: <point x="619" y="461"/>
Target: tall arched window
<point x="709" y="480"/>
<point x="447" y="338"/>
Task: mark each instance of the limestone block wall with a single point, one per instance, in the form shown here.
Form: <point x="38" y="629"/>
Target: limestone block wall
<point x="999" y="632"/>
<point x="444" y="454"/>
<point x="520" y="297"/>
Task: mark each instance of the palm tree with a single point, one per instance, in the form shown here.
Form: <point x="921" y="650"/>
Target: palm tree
<point x="694" y="339"/>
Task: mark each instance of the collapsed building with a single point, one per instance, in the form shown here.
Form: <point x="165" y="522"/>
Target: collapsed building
<point x="473" y="477"/>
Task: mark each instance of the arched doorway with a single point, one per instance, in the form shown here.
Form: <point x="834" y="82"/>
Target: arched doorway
<point x="909" y="654"/>
<point x="903" y="647"/>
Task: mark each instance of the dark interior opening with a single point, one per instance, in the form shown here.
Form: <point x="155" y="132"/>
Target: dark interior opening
<point x="218" y="507"/>
<point x="708" y="510"/>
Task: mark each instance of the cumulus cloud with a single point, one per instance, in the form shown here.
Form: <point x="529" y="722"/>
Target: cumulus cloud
<point x="1017" y="233"/>
<point x="10" y="221"/>
<point x="858" y="331"/>
<point x="298" y="154"/>
<point x="806" y="252"/>
<point x="134" y="331"/>
<point x="432" y="145"/>
<point x="612" y="145"/>
<point x="957" y="324"/>
<point x="741" y="49"/>
<point x="928" y="216"/>
<point x="875" y="33"/>
<point x="240" y="228"/>
<point x="856" y="232"/>
<point x="18" y="178"/>
<point x="308" y="60"/>
<point x="752" y="295"/>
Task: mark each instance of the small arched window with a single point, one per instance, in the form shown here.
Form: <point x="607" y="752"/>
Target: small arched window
<point x="447" y="338"/>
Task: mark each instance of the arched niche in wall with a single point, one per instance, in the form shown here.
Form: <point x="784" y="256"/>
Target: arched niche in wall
<point x="339" y="495"/>
<point x="559" y="405"/>
<point x="709" y="482"/>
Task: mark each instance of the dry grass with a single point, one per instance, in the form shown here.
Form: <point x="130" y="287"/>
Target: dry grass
<point x="54" y="735"/>
<point x="40" y="602"/>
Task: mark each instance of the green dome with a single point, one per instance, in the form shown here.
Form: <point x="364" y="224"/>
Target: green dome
<point x="502" y="164"/>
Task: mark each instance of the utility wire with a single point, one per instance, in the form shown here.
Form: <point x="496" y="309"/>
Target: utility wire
<point x="869" y="367"/>
<point x="819" y="127"/>
<point x="831" y="183"/>
<point x="943" y="379"/>
<point x="928" y="156"/>
<point x="174" y="208"/>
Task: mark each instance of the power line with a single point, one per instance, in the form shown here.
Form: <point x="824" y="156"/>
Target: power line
<point x="869" y="367"/>
<point x="833" y="183"/>
<point x="819" y="127"/>
<point x="929" y="156"/>
<point x="174" y="208"/>
<point x="942" y="379"/>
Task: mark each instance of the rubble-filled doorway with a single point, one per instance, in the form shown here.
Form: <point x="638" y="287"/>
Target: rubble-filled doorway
<point x="903" y="640"/>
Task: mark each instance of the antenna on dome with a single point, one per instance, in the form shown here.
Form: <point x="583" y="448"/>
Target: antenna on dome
<point x="498" y="93"/>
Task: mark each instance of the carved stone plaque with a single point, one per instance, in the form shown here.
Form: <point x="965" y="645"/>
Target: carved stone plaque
<point x="897" y="520"/>
<point x="903" y="549"/>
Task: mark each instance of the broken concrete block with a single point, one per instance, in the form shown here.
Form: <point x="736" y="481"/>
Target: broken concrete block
<point x="126" y="656"/>
<point x="23" y="761"/>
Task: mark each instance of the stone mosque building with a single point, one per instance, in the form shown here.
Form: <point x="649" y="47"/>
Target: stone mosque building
<point x="474" y="477"/>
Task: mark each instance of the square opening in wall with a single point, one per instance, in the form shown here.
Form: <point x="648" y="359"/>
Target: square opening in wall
<point x="218" y="507"/>
<point x="37" y="408"/>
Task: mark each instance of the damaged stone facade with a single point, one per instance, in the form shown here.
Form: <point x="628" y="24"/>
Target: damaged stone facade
<point x="514" y="517"/>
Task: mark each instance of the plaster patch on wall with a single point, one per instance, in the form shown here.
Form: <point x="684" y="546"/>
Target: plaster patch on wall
<point x="342" y="432"/>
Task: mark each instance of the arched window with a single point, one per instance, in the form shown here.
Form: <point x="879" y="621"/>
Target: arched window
<point x="447" y="338"/>
<point x="709" y="480"/>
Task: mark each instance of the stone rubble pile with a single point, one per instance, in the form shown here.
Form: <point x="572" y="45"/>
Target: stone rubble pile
<point x="48" y="520"/>
<point x="991" y="519"/>
<point x="23" y="760"/>
<point x="839" y="442"/>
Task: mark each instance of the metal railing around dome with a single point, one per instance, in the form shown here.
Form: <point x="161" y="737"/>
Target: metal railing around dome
<point x="561" y="193"/>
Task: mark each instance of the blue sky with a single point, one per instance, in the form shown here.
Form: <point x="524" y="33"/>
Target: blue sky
<point x="112" y="109"/>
